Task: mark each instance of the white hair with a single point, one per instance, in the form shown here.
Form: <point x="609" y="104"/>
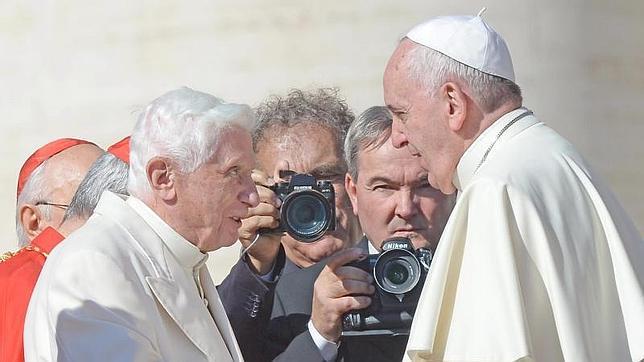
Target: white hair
<point x="108" y="172"/>
<point x="432" y="69"/>
<point x="35" y="190"/>
<point x="182" y="125"/>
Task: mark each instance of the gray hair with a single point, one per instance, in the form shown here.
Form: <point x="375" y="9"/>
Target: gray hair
<point x="108" y="172"/>
<point x="35" y="190"/>
<point x="432" y="69"/>
<point x="370" y="130"/>
<point x="182" y="125"/>
<point x="321" y="107"/>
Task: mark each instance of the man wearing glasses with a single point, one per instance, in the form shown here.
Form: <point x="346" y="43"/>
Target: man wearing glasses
<point x="46" y="183"/>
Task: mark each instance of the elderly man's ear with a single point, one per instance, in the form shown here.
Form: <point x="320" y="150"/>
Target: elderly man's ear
<point x="32" y="220"/>
<point x="161" y="177"/>
<point x="456" y="101"/>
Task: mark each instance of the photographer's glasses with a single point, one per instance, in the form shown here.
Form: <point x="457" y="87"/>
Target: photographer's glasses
<point x="62" y="206"/>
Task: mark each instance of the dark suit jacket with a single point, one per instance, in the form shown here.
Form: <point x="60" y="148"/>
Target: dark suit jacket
<point x="248" y="301"/>
<point x="278" y="331"/>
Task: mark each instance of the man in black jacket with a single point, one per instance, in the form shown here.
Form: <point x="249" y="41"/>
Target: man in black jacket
<point x="304" y="132"/>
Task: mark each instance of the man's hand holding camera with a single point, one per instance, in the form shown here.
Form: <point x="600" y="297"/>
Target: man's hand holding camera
<point x="262" y="254"/>
<point x="338" y="290"/>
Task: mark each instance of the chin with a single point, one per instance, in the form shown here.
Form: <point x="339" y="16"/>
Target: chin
<point x="230" y="242"/>
<point x="221" y="244"/>
<point x="418" y="240"/>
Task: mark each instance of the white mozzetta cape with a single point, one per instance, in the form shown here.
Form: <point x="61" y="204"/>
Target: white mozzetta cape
<point x="538" y="261"/>
<point x="113" y="291"/>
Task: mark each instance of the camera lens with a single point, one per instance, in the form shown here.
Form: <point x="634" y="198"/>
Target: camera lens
<point x="307" y="215"/>
<point x="397" y="271"/>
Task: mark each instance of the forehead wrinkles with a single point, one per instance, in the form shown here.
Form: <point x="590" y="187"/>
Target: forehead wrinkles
<point x="234" y="144"/>
<point x="382" y="159"/>
<point x="394" y="172"/>
<point x="289" y="142"/>
<point x="298" y="143"/>
<point x="290" y="147"/>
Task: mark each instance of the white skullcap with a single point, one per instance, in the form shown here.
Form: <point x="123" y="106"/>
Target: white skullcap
<point x="466" y="39"/>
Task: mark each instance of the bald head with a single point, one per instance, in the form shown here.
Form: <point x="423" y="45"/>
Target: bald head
<point x="53" y="182"/>
<point x="67" y="169"/>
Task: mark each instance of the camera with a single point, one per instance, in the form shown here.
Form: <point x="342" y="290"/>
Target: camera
<point x="399" y="273"/>
<point x="308" y="207"/>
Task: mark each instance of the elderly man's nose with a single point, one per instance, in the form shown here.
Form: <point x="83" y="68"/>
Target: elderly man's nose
<point x="249" y="195"/>
<point x="398" y="138"/>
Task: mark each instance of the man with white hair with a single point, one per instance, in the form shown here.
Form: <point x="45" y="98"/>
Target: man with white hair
<point x="46" y="183"/>
<point x="108" y="172"/>
<point x="538" y="260"/>
<point x="131" y="284"/>
<point x="302" y="131"/>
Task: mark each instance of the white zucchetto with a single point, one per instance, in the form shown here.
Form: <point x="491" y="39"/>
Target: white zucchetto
<point x="468" y="40"/>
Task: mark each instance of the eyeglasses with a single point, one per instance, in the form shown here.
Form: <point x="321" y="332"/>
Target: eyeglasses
<point x="62" y="206"/>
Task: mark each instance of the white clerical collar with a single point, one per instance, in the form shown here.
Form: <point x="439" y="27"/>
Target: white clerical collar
<point x="186" y="253"/>
<point x="474" y="154"/>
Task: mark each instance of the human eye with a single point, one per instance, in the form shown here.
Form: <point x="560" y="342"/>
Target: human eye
<point x="331" y="175"/>
<point x="425" y="187"/>
<point x="400" y="115"/>
<point x="382" y="188"/>
<point x="234" y="171"/>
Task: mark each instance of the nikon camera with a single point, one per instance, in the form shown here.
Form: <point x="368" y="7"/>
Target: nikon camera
<point x="399" y="273"/>
<point x="308" y="207"/>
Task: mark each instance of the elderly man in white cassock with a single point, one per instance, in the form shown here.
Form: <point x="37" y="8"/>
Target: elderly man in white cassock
<point x="132" y="284"/>
<point x="538" y="261"/>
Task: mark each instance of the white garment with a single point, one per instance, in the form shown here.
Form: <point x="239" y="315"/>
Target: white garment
<point x="188" y="255"/>
<point x="114" y="291"/>
<point x="538" y="261"/>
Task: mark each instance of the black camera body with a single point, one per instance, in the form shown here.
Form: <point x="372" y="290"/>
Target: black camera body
<point x="399" y="274"/>
<point x="308" y="207"/>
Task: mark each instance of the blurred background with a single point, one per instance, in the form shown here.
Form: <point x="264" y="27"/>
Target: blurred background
<point x="82" y="69"/>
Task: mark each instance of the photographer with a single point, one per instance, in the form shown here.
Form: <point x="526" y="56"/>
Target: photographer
<point x="302" y="132"/>
<point x="390" y="195"/>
